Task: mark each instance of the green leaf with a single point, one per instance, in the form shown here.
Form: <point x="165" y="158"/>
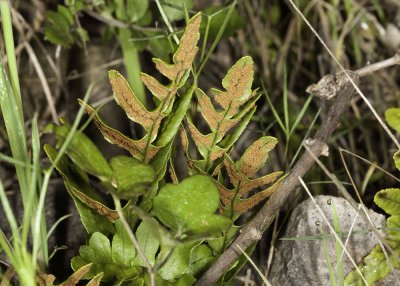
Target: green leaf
<point x="82" y="34"/>
<point x="375" y="266"/>
<point x="83" y="152"/>
<point x="123" y="250"/>
<point x="185" y="280"/>
<point x="392" y="116"/>
<point x="235" y="268"/>
<point x="190" y="206"/>
<point x="389" y="200"/>
<point x="216" y="16"/>
<point x="177" y="262"/>
<point x="174" y="119"/>
<point x="100" y="253"/>
<point x="91" y="220"/>
<point x="57" y="30"/>
<point x="148" y="240"/>
<point x="136" y="9"/>
<point x="230" y="139"/>
<point x="159" y="163"/>
<point x="98" y="250"/>
<point x="66" y="13"/>
<point x="200" y="258"/>
<point x="77" y="184"/>
<point x="74" y="5"/>
<point x="120" y="10"/>
<point x="159" y="47"/>
<point x="175" y="10"/>
<point x="393" y="226"/>
<point x="131" y="177"/>
<point x="219" y="244"/>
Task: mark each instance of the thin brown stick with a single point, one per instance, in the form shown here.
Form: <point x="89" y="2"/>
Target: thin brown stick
<point x="252" y="232"/>
<point x="368" y="69"/>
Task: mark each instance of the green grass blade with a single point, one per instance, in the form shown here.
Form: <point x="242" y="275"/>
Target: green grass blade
<point x="63" y="148"/>
<point x="41" y="243"/>
<point x="13" y="161"/>
<point x="300" y="115"/>
<point x="285" y="103"/>
<point x="328" y="260"/>
<point x="9" y="213"/>
<point x="338" y="248"/>
<point x="304" y="138"/>
<point x="132" y="64"/>
<point x="12" y="63"/>
<point x="15" y="130"/>
<point x="274" y="112"/>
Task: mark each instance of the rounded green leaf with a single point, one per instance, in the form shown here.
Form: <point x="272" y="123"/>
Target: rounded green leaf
<point x="177" y="262"/>
<point x="200" y="257"/>
<point x="123" y="250"/>
<point x="130" y="176"/>
<point x="190" y="206"/>
<point x="392" y="116"/>
<point x="148" y="240"/>
<point x="389" y="201"/>
<point x="100" y="248"/>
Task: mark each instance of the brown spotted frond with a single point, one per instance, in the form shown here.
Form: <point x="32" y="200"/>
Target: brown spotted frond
<point x="153" y="121"/>
<point x="93" y="204"/>
<point x="159" y="90"/>
<point x="256" y="155"/>
<point x="237" y="84"/>
<point x="132" y="106"/>
<point x="184" y="55"/>
<point x="235" y="104"/>
<point x="241" y="176"/>
<point x="137" y="148"/>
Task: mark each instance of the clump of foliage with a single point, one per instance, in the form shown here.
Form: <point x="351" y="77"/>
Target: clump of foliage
<point x="166" y="232"/>
<point x="377" y="265"/>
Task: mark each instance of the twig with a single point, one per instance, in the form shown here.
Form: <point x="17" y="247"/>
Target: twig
<point x="252" y="232"/>
<point x="119" y="24"/>
<point x="395" y="60"/>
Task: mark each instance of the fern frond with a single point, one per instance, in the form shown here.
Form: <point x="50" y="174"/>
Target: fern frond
<point x="237" y="84"/>
<point x="241" y="175"/>
<point x="154" y="121"/>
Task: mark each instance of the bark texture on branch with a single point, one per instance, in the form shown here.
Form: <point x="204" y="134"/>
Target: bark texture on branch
<point x="252" y="232"/>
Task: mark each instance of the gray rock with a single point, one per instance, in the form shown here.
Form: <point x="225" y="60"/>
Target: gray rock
<point x="303" y="261"/>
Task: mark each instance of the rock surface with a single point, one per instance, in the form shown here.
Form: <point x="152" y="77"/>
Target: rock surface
<point x="302" y="260"/>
